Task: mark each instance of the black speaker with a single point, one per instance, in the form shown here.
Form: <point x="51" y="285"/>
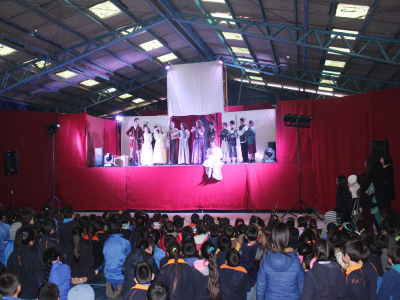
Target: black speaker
<point x="10" y="162"/>
<point x="99" y="157"/>
<point x="379" y="147"/>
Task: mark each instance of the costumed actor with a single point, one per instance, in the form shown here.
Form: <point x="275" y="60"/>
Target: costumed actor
<point x="147" y="148"/>
<point x="251" y="141"/>
<point x="199" y="145"/>
<point x="232" y="142"/>
<point x="135" y="134"/>
<point x="173" y="142"/>
<point x="223" y="137"/>
<point x="243" y="140"/>
<point x="159" y="155"/>
<point x="213" y="163"/>
<point x="183" y="134"/>
<point x="211" y="133"/>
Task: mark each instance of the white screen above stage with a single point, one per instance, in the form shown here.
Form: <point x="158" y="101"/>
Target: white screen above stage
<point x="195" y="89"/>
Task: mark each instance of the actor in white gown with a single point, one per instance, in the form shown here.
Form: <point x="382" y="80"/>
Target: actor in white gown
<point x="213" y="163"/>
<point x="183" y="134"/>
<point x="159" y="155"/>
<point x="147" y="149"/>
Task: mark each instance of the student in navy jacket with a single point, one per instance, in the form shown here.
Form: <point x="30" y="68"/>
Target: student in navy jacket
<point x="27" y="263"/>
<point x="248" y="253"/>
<point x="141" y="253"/>
<point x="204" y="277"/>
<point x="49" y="240"/>
<point x="390" y="286"/>
<point x="189" y="252"/>
<point x="56" y="272"/>
<point x="10" y="285"/>
<point x="224" y="244"/>
<point x="281" y="275"/>
<point x="158" y="291"/>
<point x="326" y="279"/>
<point x="143" y="276"/>
<point x="357" y="282"/>
<point x="95" y="245"/>
<point x="233" y="280"/>
<point x="176" y="274"/>
<point x="65" y="227"/>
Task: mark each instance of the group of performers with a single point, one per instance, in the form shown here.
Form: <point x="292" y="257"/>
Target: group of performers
<point x="149" y="148"/>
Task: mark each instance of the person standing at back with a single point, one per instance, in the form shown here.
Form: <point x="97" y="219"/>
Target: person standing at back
<point x="65" y="227"/>
<point x="243" y="141"/>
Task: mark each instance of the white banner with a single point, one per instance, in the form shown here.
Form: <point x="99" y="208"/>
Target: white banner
<point x="195" y="89"/>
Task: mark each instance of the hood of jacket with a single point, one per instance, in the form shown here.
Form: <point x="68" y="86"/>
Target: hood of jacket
<point x="329" y="270"/>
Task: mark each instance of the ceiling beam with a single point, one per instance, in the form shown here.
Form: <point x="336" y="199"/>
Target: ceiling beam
<point x="260" y="4"/>
<point x="305" y="29"/>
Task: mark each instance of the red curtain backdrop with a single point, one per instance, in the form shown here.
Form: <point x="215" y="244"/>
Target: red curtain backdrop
<point x="111" y="137"/>
<point x="258" y="106"/>
<point x="26" y="133"/>
<point x="71" y="141"/>
<point x="94" y="138"/>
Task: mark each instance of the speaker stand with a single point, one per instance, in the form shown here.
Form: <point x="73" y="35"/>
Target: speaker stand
<point x="12" y="206"/>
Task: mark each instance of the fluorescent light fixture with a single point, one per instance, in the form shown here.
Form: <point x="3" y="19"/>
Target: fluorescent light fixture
<point x="244" y="80"/>
<point x="347" y="50"/>
<point x="325" y="93"/>
<point x="66" y="74"/>
<point x="89" y="82"/>
<point x="232" y="36"/>
<point x="167" y="57"/>
<point x="39" y="64"/>
<point x="350" y="38"/>
<point x="256" y="78"/>
<point x="327" y="81"/>
<point x="215" y="1"/>
<point x="138" y="100"/>
<point x="164" y="98"/>
<point x="124" y="96"/>
<point x="111" y="90"/>
<point x="322" y="88"/>
<point x="351" y="11"/>
<point x="125" y="32"/>
<point x="4" y="50"/>
<point x="151" y="45"/>
<point x="245" y="59"/>
<point x="105" y="10"/>
<point x="257" y="82"/>
<point x="332" y="73"/>
<point x="335" y="63"/>
<point x="240" y="50"/>
<point x="222" y="15"/>
<point x="294" y="88"/>
<point x="249" y="71"/>
<point x="339" y="95"/>
<point x="274" y="85"/>
<point x="310" y="91"/>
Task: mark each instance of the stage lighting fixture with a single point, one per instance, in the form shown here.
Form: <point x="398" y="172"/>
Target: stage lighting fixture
<point x="52" y="127"/>
<point x="293" y="119"/>
<point x="167" y="66"/>
<point x="119" y="118"/>
<point x="220" y="60"/>
<point x="286" y="117"/>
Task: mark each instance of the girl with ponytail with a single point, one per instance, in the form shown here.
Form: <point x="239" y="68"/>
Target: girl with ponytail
<point x="26" y="263"/>
<point x="142" y="252"/>
<point x="176" y="274"/>
<point x="205" y="274"/>
<point x="80" y="258"/>
<point x="56" y="272"/>
<point x="95" y="245"/>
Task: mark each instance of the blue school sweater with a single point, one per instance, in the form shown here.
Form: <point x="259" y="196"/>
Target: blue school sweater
<point x="249" y="262"/>
<point x="357" y="283"/>
<point x="390" y="286"/>
<point x="234" y="283"/>
<point x="167" y="275"/>
<point x="138" y="292"/>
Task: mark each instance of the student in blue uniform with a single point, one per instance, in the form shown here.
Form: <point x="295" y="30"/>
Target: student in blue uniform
<point x="189" y="251"/>
<point x="49" y="240"/>
<point x="10" y="285"/>
<point x="390" y="286"/>
<point x="224" y="244"/>
<point x="158" y="291"/>
<point x="233" y="279"/>
<point x="143" y="276"/>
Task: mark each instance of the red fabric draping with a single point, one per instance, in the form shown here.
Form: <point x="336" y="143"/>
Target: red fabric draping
<point x="71" y="141"/>
<point x="26" y="133"/>
<point x="111" y="137"/>
<point x="154" y="113"/>
<point x="94" y="138"/>
<point x="258" y="106"/>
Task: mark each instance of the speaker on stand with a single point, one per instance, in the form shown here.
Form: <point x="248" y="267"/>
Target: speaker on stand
<point x="379" y="147"/>
<point x="11" y="168"/>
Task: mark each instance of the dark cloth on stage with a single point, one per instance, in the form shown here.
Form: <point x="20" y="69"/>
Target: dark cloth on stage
<point x="173" y="153"/>
<point x="388" y="177"/>
<point x="138" y="134"/>
<point x="211" y="134"/>
<point x="199" y="147"/>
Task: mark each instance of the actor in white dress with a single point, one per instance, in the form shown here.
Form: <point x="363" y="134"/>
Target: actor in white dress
<point x="183" y="134"/>
<point x="159" y="155"/>
<point x="213" y="163"/>
<point x="147" y="149"/>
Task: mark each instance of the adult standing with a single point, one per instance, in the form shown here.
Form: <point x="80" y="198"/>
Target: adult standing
<point x="251" y="141"/>
<point x="243" y="141"/>
<point x="173" y="141"/>
<point x="343" y="200"/>
<point x="388" y="177"/>
<point x="135" y="134"/>
<point x="199" y="145"/>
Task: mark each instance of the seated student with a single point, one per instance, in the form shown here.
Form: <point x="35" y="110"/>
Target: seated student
<point x="383" y="242"/>
<point x="326" y="279"/>
<point x="390" y="287"/>
<point x="215" y="231"/>
<point x="143" y="276"/>
<point x="194" y="220"/>
<point x="65" y="227"/>
<point x="158" y="291"/>
<point x="230" y="232"/>
<point x="101" y="234"/>
<point x="115" y="250"/>
<point x="357" y="283"/>
<point x="306" y="255"/>
<point x="126" y="231"/>
<point x="27" y="263"/>
<point x="189" y="252"/>
<point x="4" y="235"/>
<point x="81" y="291"/>
<point x="224" y="244"/>
<point x="49" y="240"/>
<point x="248" y="253"/>
<point x="168" y="239"/>
<point x="10" y="245"/>
<point x="178" y="224"/>
<point x="201" y="234"/>
<point x="27" y="218"/>
<point x="143" y="252"/>
<point x="49" y="291"/>
<point x="204" y="276"/>
<point x="301" y="224"/>
<point x="233" y="280"/>
<point x="10" y="285"/>
<point x="158" y="252"/>
<point x="56" y="272"/>
<point x="375" y="252"/>
<point x="95" y="245"/>
<point x="176" y="273"/>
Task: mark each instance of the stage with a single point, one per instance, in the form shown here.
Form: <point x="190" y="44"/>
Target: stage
<point x="244" y="186"/>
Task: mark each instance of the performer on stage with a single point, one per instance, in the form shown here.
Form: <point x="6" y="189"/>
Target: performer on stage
<point x="251" y="141"/>
<point x="223" y="138"/>
<point x="159" y="155"/>
<point x="147" y="149"/>
<point x="199" y="146"/>
<point x="211" y="133"/>
<point x="173" y="141"/>
<point x="183" y="134"/>
<point x="232" y="141"/>
<point x="243" y="141"/>
<point x="135" y="133"/>
<point x="213" y="164"/>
